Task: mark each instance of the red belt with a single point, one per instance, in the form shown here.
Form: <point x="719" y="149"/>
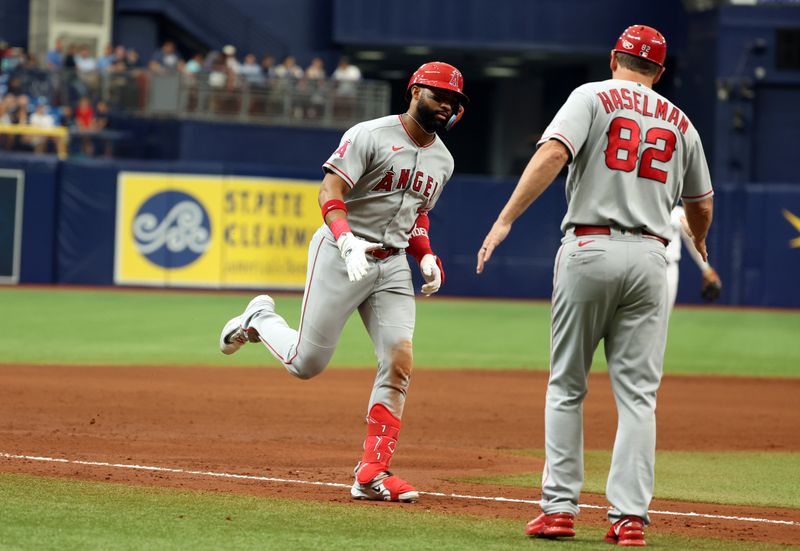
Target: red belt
<point x="606" y="230"/>
<point x="383" y="252"/>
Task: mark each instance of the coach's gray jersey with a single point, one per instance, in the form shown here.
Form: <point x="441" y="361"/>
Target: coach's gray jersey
<point x="633" y="154"/>
<point x="392" y="178"/>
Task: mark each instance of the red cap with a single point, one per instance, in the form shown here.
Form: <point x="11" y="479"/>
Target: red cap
<point x="644" y="42"/>
<point x="438" y="74"/>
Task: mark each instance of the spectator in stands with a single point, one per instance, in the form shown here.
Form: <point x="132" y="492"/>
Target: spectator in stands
<point x="218" y="72"/>
<point x="84" y="114"/>
<point x="167" y="57"/>
<point x="345" y="72"/>
<point x="105" y="61"/>
<point x="194" y="65"/>
<point x="6" y="108"/>
<point x="41" y="118"/>
<point x="21" y="114"/>
<point x="55" y="57"/>
<point x="84" y="61"/>
<point x="289" y="68"/>
<point x="132" y="59"/>
<point x="5" y="118"/>
<point x="101" y="115"/>
<point x="229" y="51"/>
<point x="268" y="66"/>
<point x="15" y="85"/>
<point x="18" y="114"/>
<point x="119" y="55"/>
<point x="345" y="76"/>
<point x="84" y="122"/>
<point x="250" y="70"/>
<point x="69" y="60"/>
<point x="3" y="48"/>
<point x="316" y="88"/>
<point x="316" y="71"/>
<point x="67" y="117"/>
<point x="101" y="123"/>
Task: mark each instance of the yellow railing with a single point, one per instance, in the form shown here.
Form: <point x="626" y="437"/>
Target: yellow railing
<point x="59" y="133"/>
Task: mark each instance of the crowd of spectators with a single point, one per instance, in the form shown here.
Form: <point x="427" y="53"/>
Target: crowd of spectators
<point x="73" y="88"/>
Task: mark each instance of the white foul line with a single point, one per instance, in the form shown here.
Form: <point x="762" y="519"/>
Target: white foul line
<point x="338" y="485"/>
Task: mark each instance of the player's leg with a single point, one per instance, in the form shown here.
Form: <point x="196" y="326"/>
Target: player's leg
<point x="635" y="353"/>
<point x="388" y="314"/>
<point x="328" y="301"/>
<point x="583" y="289"/>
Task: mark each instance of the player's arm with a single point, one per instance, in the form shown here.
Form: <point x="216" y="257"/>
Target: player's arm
<point x="698" y="218"/>
<point x="690" y="248"/>
<point x="419" y="246"/>
<point x="542" y="169"/>
<point x="331" y="199"/>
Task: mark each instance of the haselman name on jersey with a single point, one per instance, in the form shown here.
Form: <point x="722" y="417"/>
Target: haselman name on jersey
<point x="421" y="184"/>
<point x="636" y="101"/>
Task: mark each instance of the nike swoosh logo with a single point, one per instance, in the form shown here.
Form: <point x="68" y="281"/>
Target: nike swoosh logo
<point x="395" y="148"/>
<point x="582" y="243"/>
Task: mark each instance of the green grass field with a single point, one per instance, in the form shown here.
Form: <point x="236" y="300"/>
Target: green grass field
<point x="44" y="513"/>
<point x="163" y="328"/>
<point x="761" y="479"/>
<point x="129" y="327"/>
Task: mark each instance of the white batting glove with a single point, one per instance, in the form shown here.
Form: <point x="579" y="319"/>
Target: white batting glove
<point x="431" y="274"/>
<point x="353" y="250"/>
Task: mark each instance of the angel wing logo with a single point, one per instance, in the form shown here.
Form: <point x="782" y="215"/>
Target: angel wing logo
<point x="455" y="78"/>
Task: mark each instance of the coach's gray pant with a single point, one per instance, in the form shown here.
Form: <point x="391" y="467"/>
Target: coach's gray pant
<point x="384" y="299"/>
<point x="611" y="288"/>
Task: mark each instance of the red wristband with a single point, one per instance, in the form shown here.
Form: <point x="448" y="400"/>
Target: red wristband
<point x="419" y="244"/>
<point x="333" y="204"/>
<point x="339" y="226"/>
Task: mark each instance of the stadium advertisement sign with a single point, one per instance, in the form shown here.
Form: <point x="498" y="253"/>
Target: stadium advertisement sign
<point x="188" y="230"/>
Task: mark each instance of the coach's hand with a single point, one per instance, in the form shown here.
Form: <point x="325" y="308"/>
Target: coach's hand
<point x="432" y="273"/>
<point x="353" y="250"/>
<point x="496" y="236"/>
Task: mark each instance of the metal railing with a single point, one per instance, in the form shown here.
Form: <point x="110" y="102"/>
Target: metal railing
<point x="211" y="96"/>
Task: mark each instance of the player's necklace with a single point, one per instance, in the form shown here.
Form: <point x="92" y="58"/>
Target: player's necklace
<point x="420" y="126"/>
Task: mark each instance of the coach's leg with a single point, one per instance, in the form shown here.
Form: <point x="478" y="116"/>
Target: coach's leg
<point x="582" y="291"/>
<point x="635" y="355"/>
<point x="329" y="300"/>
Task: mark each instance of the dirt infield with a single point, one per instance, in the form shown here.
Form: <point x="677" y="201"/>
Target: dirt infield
<point x="457" y="424"/>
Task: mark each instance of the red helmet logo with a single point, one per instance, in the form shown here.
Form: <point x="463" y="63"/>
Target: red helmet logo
<point x="644" y="42"/>
<point x="438" y="74"/>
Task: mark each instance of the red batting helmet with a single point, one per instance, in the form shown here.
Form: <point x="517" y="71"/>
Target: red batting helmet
<point x="438" y="74"/>
<point x="643" y="41"/>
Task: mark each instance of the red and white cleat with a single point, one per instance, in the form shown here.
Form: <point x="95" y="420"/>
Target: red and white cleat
<point x="628" y="532"/>
<point x="385" y="487"/>
<point x="557" y="525"/>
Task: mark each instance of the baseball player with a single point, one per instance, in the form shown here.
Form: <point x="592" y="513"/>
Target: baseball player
<point x="632" y="154"/>
<point x="711" y="286"/>
<point x="378" y="187"/>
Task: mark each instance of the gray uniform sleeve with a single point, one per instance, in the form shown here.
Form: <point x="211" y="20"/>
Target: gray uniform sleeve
<point x="571" y="124"/>
<point x="350" y="160"/>
<point x="696" y="180"/>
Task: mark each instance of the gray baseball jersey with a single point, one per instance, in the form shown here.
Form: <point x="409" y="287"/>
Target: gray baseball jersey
<point x="391" y="178"/>
<point x="627" y="141"/>
<point x="633" y="154"/>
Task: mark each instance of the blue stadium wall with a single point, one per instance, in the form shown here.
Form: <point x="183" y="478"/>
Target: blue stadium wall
<point x="70" y="216"/>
